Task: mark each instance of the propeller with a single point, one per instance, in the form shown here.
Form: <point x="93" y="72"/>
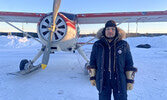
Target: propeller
<point x="47" y="50"/>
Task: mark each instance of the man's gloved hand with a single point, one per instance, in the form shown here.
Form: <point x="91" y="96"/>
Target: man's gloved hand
<point x="129" y="86"/>
<point x="92" y="73"/>
<point x="130" y="74"/>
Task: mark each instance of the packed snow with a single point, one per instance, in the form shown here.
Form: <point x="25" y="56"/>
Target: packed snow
<point x="64" y="78"/>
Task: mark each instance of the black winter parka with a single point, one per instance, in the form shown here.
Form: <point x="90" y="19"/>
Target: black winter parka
<point x="122" y="62"/>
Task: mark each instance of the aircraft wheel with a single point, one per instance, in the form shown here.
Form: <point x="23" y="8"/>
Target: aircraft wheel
<point x="85" y="69"/>
<point x="22" y="64"/>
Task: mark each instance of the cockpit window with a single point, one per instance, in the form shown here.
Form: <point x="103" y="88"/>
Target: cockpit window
<point x="70" y="16"/>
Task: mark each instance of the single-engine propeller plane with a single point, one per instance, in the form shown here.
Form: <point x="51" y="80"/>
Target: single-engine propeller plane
<point x="59" y="31"/>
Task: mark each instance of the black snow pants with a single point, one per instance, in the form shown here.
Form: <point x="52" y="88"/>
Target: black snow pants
<point x="110" y="86"/>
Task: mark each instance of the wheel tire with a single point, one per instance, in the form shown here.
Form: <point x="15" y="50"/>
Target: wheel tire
<point x="22" y="64"/>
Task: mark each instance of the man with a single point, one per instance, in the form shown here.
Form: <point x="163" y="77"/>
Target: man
<point x="111" y="65"/>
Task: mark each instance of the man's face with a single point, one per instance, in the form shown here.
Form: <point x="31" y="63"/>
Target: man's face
<point x="110" y="32"/>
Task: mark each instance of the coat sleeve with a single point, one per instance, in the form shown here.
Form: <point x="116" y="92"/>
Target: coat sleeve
<point x="128" y="60"/>
<point x="93" y="56"/>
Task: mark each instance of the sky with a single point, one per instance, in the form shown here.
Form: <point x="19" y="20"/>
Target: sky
<point x="88" y="6"/>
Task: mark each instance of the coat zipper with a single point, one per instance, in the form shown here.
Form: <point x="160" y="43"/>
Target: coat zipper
<point x="114" y="57"/>
<point x="110" y="61"/>
<point x="109" y="67"/>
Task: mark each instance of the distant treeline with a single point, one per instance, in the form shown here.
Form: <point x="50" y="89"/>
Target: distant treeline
<point x="82" y="35"/>
<point x="18" y="34"/>
<point x="144" y="34"/>
<point x="132" y="34"/>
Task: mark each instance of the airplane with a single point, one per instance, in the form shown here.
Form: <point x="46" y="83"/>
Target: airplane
<point x="59" y="31"/>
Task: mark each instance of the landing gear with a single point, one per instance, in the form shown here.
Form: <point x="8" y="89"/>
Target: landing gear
<point x="26" y="66"/>
<point x="85" y="57"/>
<point x="23" y="63"/>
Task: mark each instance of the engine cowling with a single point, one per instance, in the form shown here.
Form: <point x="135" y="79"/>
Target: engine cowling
<point x="46" y="22"/>
<point x="65" y="35"/>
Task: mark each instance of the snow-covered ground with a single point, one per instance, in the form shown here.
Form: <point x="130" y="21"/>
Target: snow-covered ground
<point x="64" y="79"/>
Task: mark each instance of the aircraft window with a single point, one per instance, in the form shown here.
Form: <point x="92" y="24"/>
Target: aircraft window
<point x="69" y="16"/>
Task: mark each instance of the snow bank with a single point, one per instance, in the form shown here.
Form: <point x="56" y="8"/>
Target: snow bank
<point x="16" y="42"/>
<point x="155" y="42"/>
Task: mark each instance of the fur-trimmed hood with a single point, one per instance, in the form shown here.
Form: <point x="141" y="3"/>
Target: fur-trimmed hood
<point x="121" y="33"/>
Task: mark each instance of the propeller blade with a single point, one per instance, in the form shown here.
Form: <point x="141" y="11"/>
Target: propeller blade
<point x="56" y="6"/>
<point x="46" y="56"/>
<point x="47" y="50"/>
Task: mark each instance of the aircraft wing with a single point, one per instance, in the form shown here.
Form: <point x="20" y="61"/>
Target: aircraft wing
<point x="20" y="17"/>
<point x="91" y="18"/>
<point x="123" y="17"/>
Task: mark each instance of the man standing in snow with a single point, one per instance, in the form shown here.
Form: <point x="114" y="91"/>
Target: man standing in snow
<point x="111" y="65"/>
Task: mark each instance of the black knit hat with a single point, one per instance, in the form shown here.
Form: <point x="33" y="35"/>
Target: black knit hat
<point x="110" y="23"/>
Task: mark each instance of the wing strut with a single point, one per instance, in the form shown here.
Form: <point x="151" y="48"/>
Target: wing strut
<point x="21" y="30"/>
